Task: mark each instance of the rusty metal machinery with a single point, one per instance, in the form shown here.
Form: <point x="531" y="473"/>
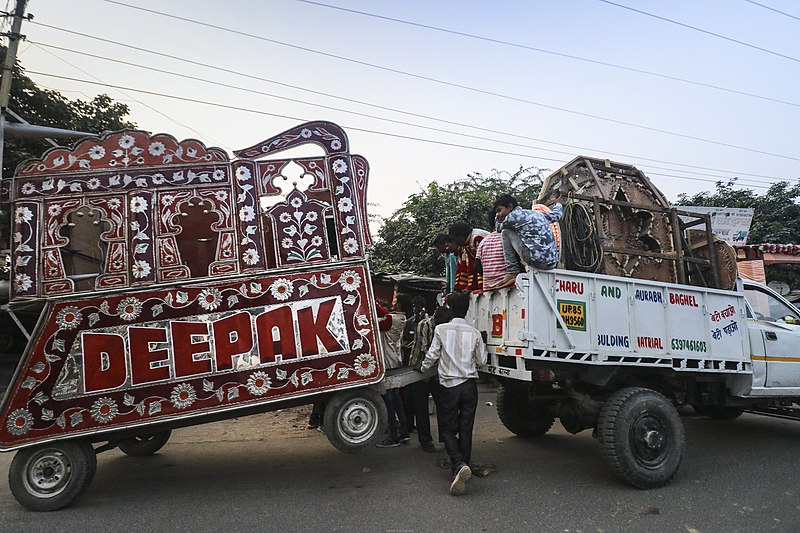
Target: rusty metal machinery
<point x="637" y="233"/>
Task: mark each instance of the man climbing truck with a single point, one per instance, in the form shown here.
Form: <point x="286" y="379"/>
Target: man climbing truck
<point x="618" y="353"/>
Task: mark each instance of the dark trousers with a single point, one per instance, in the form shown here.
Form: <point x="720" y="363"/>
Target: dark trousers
<point x="394" y="408"/>
<point x="457" y="407"/>
<point x="419" y="392"/>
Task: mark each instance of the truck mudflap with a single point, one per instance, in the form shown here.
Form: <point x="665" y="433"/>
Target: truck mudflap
<point x="113" y="362"/>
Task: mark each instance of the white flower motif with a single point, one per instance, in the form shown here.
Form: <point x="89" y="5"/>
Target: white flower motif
<point x="350" y="246"/>
<point x="138" y="204"/>
<point x="250" y="256"/>
<point x="285" y="217"/>
<point x="210" y="298"/>
<point x="345" y="205"/>
<point x="20" y="421"/>
<point x="141" y="269"/>
<point x="126" y="141"/>
<point x="156" y="149"/>
<point x="350" y="280"/>
<point x="339" y="166"/>
<point x="281" y="289"/>
<point x="296" y="202"/>
<point x="183" y="396"/>
<point x="316" y="240"/>
<point x="221" y="196"/>
<point x="364" y="365"/>
<point x="219" y="174"/>
<point x="28" y="188"/>
<point x="54" y="210"/>
<point x="93" y="183"/>
<point x="167" y="200"/>
<point x="258" y="383"/>
<point x="247" y="213"/>
<point x="22" y="215"/>
<point x="158" y="178"/>
<point x="69" y="318"/>
<point x="104" y="410"/>
<point x="243" y="173"/>
<point x="97" y="152"/>
<point x="311" y="216"/>
<point x="114" y="203"/>
<point x="336" y="144"/>
<point x="305" y="133"/>
<point x="287" y="242"/>
<point x="129" y="308"/>
<point x="22" y="282"/>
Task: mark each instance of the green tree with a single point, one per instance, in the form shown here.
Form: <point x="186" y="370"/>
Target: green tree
<point x="404" y="243"/>
<point x="776" y="217"/>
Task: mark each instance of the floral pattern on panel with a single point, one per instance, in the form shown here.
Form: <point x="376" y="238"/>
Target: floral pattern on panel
<point x="300" y="222"/>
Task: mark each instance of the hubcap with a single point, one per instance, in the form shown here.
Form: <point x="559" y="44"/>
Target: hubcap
<point x="357" y="421"/>
<point x="649" y="440"/>
<point x="47" y="473"/>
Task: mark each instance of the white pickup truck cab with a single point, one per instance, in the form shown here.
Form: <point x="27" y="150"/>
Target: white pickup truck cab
<point x="618" y="355"/>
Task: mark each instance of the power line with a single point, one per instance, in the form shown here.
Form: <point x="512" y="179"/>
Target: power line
<point x="351" y="128"/>
<point x="773" y="9"/>
<point x="295" y="100"/>
<point x="552" y="52"/>
<point x="376" y="106"/>
<point x="695" y="28"/>
<point x="452" y="84"/>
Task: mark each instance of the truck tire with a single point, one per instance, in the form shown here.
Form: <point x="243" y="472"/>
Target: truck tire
<point x="520" y="415"/>
<point x="354" y="419"/>
<point x="143" y="445"/>
<point x="641" y="437"/>
<point x="50" y="476"/>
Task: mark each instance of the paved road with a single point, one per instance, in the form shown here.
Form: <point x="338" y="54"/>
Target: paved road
<point x="266" y="473"/>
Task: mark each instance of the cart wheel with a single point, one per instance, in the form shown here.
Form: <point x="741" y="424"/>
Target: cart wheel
<point x="49" y="477"/>
<point x="641" y="436"/>
<point x="142" y="445"/>
<point x="520" y="415"/>
<point x="354" y="419"/>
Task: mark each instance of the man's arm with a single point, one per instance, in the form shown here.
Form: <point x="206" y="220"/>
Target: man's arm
<point x="479" y="351"/>
<point x="432" y="357"/>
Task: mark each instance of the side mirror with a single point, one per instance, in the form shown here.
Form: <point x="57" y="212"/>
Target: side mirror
<point x="791" y="320"/>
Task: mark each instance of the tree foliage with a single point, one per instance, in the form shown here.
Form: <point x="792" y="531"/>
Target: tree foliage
<point x="776" y="217"/>
<point x="45" y="107"/>
<point x="404" y="243"/>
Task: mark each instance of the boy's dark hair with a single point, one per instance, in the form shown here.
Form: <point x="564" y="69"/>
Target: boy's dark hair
<point x="442" y="315"/>
<point x="491" y="217"/>
<point x="403" y="303"/>
<point x="458" y="302"/>
<point x="458" y="229"/>
<point x="441" y="238"/>
<point x="506" y="200"/>
<point x="418" y="301"/>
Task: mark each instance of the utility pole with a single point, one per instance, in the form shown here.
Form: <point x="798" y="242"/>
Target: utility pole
<point x="8" y="69"/>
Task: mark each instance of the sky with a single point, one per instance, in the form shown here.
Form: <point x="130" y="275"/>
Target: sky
<point x="689" y="91"/>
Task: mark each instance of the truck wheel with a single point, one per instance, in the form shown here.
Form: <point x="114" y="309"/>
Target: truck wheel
<point x="143" y="445"/>
<point x="641" y="436"/>
<point x="354" y="419"/>
<point x="521" y="416"/>
<point x="49" y="477"/>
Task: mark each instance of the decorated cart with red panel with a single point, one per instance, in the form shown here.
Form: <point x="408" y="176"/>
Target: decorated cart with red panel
<point x="175" y="286"/>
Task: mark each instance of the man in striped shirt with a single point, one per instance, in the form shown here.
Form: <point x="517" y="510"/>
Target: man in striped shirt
<point x="458" y="348"/>
<point x="491" y="258"/>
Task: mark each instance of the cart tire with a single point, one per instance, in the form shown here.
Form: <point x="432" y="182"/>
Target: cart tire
<point x="143" y="445"/>
<point x="49" y="477"/>
<point x="520" y="416"/>
<point x="355" y="419"/>
<point x="641" y="436"/>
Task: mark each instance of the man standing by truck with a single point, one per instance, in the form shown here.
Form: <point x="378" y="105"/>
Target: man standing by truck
<point x="458" y="348"/>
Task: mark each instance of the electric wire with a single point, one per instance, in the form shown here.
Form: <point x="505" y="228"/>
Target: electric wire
<point x="552" y="52"/>
<point x="582" y="248"/>
<point x="453" y="84"/>
<point x="386" y="108"/>
<point x="695" y="28"/>
<point x="351" y="128"/>
<point x="771" y="9"/>
<point x="394" y="121"/>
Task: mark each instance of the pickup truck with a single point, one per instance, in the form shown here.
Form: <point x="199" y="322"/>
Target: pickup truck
<point x="619" y="355"/>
